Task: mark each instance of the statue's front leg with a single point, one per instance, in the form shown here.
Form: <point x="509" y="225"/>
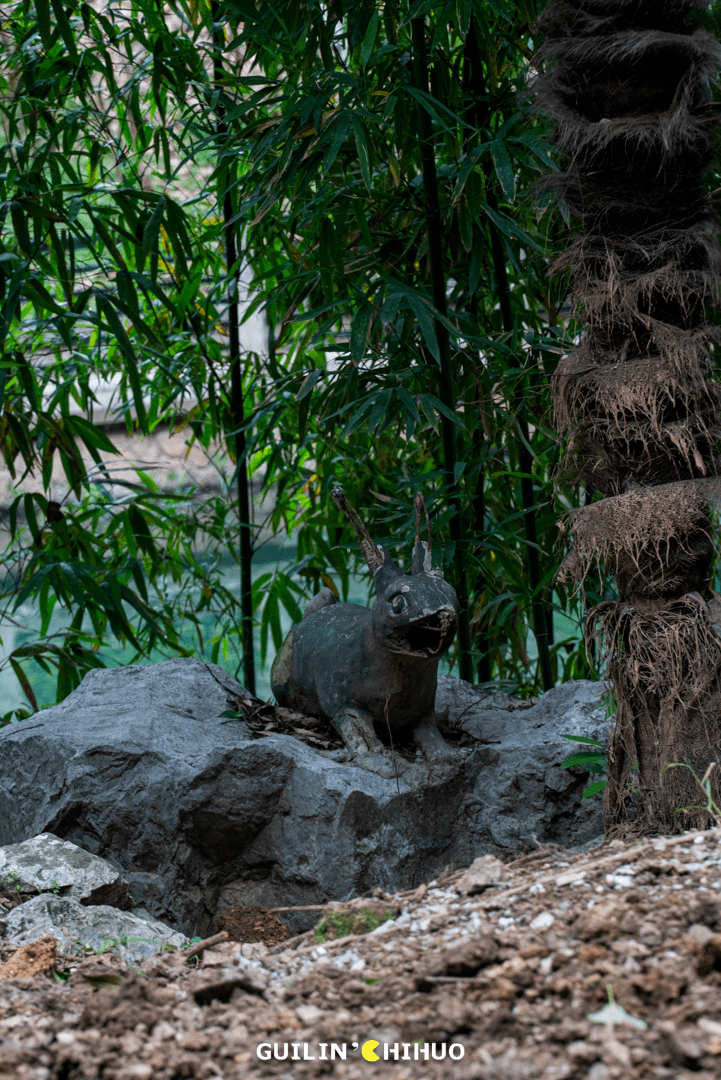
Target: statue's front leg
<point x="356" y="729"/>
<point x="428" y="737"/>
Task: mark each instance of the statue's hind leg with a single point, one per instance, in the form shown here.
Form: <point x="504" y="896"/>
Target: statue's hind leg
<point x="428" y="737"/>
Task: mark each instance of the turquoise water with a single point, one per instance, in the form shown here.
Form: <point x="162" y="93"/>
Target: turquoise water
<point x="115" y="655"/>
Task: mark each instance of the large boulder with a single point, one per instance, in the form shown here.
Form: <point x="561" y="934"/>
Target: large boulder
<point x="523" y="794"/>
<point x="139" y="767"/>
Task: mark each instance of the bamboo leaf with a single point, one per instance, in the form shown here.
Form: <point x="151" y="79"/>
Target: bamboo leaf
<point x="504" y="168"/>
<point x="361" y="141"/>
<point x="426" y="324"/>
<point x="31" y="518"/>
<point x="501" y="8"/>
<point x="587" y="759"/>
<point x="20" y="227"/>
<point x="25" y="683"/>
<point x="434" y="108"/>
<point x="65" y="29"/>
<point x="464" y="11"/>
<point x="359" y="331"/>
<point x="369" y="39"/>
<point x="308" y="383"/>
<point x="42" y="12"/>
<point x="105" y="306"/>
<point x="340" y="130"/>
<point x="151" y="231"/>
<point x="583" y="739"/>
<point x="593" y="789"/>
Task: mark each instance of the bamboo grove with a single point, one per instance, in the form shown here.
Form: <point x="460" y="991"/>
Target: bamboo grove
<point x="366" y="173"/>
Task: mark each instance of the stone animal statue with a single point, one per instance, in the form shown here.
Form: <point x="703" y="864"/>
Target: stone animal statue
<point x="373" y="669"/>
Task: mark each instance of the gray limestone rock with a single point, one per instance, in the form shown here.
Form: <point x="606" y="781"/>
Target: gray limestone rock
<point x="138" y="767"/>
<point x="47" y="864"/>
<point x="100" y="927"/>
<point x="524" y="793"/>
<point x="481" y="875"/>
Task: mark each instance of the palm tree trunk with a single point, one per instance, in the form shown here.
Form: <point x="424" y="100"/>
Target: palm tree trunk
<point x="628" y="91"/>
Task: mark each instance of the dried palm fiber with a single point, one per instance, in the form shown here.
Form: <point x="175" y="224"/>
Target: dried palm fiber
<point x="657" y="540"/>
<point x="665" y="280"/>
<point x="665" y="666"/>
<point x="625" y="420"/>
<point x="627" y="86"/>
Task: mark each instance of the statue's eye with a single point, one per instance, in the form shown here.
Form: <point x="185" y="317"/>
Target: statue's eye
<point x="398" y="604"/>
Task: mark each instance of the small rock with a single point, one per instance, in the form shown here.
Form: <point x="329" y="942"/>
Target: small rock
<point x="309" y="1014"/>
<point x="48" y="864"/>
<point x="700" y="933"/>
<point x="253" y="975"/>
<point x="481" y="874"/>
<point x="99" y="927"/>
<point x="542" y="921"/>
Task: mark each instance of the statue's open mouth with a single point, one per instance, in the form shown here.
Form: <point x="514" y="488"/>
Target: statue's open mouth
<point x="428" y="636"/>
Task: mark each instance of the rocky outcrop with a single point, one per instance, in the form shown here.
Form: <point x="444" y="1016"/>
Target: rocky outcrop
<point x="139" y="767"/>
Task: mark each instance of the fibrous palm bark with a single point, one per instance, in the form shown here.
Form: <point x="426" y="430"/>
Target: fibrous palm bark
<point x="626" y="82"/>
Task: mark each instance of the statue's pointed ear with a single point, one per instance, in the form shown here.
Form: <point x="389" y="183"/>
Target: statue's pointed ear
<point x="372" y="554"/>
<point x="386" y="574"/>
<point x="422" y="549"/>
<point x="421" y="557"/>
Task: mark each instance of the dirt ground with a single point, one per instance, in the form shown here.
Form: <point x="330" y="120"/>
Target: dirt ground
<point x="589" y="966"/>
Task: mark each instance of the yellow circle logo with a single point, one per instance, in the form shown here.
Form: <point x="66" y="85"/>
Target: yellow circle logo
<point x="367" y="1050"/>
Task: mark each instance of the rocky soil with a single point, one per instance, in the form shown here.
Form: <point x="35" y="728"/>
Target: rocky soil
<point x="596" y="965"/>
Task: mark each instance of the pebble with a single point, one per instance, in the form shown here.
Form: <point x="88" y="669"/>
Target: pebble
<point x="542" y="921"/>
<point x="620" y="881"/>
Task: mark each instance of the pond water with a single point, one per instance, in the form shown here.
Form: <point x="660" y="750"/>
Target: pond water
<point x="115" y="655"/>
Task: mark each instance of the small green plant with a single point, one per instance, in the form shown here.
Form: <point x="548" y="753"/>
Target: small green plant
<point x="615" y="1014"/>
<point x="341" y="923"/>
<point x="54" y="887"/>
<point x="594" y="761"/>
<point x="11" y="880"/>
<point x="335" y="925"/>
<point x="704" y="783"/>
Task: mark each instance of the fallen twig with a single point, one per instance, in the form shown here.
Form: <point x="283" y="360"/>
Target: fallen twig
<point x="201" y="946"/>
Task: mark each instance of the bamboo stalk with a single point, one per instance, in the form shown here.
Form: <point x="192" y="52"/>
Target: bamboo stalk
<point x="525" y="464"/>
<point x="542" y="625"/>
<point x="445" y="374"/>
<point x="483" y="641"/>
<point x="237" y="412"/>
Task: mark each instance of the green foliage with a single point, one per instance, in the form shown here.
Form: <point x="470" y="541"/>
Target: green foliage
<point x="342" y="922"/>
<point x="593" y="761"/>
<point x="299" y="149"/>
<point x="11" y="879"/>
<point x="704" y="783"/>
